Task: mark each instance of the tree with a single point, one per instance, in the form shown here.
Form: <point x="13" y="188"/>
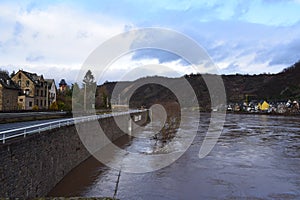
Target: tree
<point x="77" y="96"/>
<point x="89" y="87"/>
<point x="61" y="105"/>
<point x="75" y="89"/>
<point x="12" y="74"/>
<point x="102" y="98"/>
<point x="4" y="71"/>
<point x="88" y="79"/>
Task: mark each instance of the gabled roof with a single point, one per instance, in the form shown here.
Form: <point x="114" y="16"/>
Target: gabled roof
<point x="6" y="82"/>
<point x="51" y="81"/>
<point x="32" y="76"/>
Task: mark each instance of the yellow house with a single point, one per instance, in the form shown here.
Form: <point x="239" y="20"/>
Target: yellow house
<point x="35" y="90"/>
<point x="264" y="106"/>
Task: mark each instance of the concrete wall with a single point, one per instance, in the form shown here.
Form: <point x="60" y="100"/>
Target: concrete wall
<point x="32" y="166"/>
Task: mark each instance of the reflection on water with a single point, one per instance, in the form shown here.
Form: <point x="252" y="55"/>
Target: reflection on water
<point x="256" y="157"/>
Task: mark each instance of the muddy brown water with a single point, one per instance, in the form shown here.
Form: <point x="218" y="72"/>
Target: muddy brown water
<point x="256" y="157"/>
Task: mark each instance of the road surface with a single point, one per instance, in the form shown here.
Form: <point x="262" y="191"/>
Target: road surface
<point x="10" y="126"/>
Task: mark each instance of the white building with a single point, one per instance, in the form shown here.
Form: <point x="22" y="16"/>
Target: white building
<point x="51" y="91"/>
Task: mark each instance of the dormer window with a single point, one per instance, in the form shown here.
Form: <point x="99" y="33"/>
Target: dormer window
<point x="27" y="83"/>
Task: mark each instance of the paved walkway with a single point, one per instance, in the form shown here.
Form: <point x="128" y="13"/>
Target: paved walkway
<point x="28" y="114"/>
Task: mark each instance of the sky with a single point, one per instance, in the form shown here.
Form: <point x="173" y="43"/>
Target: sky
<point x="54" y="38"/>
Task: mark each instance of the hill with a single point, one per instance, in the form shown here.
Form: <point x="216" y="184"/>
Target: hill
<point x="272" y="87"/>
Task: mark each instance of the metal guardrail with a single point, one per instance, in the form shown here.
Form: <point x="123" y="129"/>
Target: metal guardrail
<point x="13" y="133"/>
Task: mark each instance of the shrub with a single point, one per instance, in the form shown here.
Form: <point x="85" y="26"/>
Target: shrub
<point x="61" y="105"/>
<point x="54" y="106"/>
<point x="35" y="107"/>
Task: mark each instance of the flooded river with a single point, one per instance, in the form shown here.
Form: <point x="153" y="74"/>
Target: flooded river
<point x="256" y="157"/>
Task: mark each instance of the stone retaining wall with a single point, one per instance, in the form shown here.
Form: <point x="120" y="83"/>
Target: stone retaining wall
<point x="32" y="166"/>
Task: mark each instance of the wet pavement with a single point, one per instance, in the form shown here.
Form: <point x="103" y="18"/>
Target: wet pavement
<point x="256" y="157"/>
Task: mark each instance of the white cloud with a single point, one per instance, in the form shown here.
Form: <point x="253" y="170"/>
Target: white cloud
<point x="56" y="36"/>
<point x="247" y="65"/>
<point x="55" y="39"/>
<point x="127" y="68"/>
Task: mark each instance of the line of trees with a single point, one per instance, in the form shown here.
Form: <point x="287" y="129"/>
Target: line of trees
<point x="79" y="98"/>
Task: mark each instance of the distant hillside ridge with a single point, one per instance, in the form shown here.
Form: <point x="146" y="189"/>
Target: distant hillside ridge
<point x="272" y="87"/>
<point x="239" y="88"/>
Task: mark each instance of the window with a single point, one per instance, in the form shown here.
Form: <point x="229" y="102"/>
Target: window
<point x="27" y="83"/>
<point x="21" y="100"/>
<point x="37" y="102"/>
<point x="19" y="82"/>
<point x="27" y="91"/>
<point x="20" y="75"/>
<point x="45" y="103"/>
<point x="41" y="103"/>
<point x="42" y="84"/>
<point x="37" y="92"/>
<point x="41" y="93"/>
<point x="45" y="93"/>
<point x="30" y="103"/>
